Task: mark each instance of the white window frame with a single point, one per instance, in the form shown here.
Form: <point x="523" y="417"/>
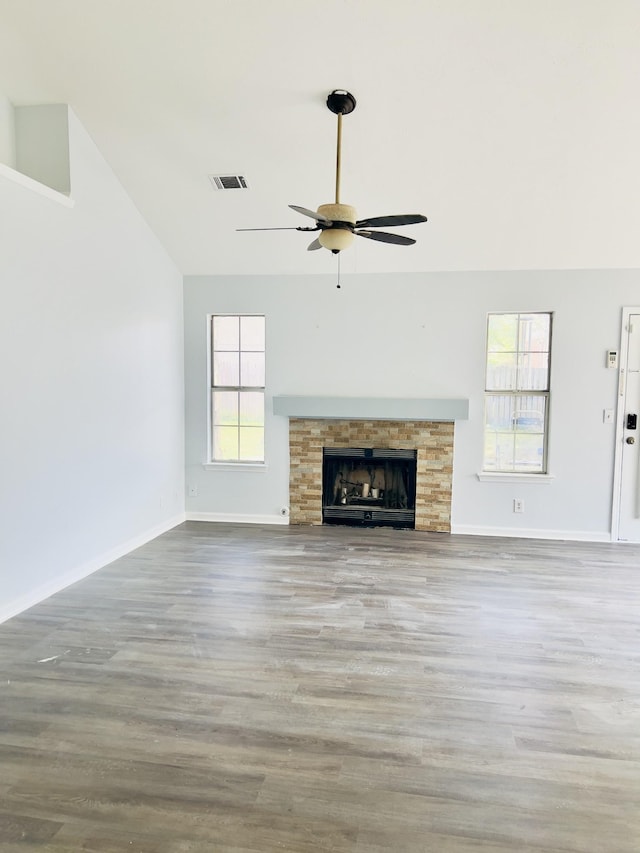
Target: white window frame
<point x="504" y="475"/>
<point x="229" y="464"/>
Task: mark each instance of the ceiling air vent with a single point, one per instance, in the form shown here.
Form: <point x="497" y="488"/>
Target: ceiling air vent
<point x="229" y="182"/>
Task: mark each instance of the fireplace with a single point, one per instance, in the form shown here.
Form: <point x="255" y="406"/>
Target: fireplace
<point x="369" y="487"/>
<point x="430" y="441"/>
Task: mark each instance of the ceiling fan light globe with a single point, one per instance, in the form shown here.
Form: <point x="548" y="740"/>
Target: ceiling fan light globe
<point x="336" y="239"/>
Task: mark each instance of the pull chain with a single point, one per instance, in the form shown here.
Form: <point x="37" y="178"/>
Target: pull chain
<point x="338" y="284"/>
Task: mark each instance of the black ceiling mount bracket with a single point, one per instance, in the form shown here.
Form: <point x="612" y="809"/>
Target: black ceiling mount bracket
<point x="341" y="102"/>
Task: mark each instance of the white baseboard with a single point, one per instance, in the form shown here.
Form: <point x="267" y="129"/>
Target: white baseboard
<point x="528" y="533"/>
<point x="237" y="518"/>
<point x="19" y="605"/>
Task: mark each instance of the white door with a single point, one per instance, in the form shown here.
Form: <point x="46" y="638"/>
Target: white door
<point x="628" y="434"/>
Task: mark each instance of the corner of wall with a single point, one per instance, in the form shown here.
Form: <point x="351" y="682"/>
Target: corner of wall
<point x="35" y="596"/>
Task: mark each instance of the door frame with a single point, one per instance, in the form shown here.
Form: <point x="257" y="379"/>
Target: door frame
<point x="620" y="412"/>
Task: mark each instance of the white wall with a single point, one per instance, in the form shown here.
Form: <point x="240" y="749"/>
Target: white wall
<point x="423" y="335"/>
<point x="91" y="381"/>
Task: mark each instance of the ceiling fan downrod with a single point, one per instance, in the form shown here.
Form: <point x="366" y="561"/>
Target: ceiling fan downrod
<point x="341" y="103"/>
<point x="338" y="158"/>
<point x="340" y="234"/>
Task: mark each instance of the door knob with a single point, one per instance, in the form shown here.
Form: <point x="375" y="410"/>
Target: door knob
<point x="630" y="439"/>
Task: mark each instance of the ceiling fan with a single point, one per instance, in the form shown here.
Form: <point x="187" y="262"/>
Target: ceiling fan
<point x="337" y="223"/>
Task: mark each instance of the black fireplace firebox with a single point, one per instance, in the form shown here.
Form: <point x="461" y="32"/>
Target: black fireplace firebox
<point x="369" y="487"/>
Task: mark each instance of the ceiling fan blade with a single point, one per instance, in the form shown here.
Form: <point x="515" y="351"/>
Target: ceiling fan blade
<point x="402" y="219"/>
<point x="316" y="244"/>
<point x="290" y="228"/>
<point x="306" y="212"/>
<point x="385" y="237"/>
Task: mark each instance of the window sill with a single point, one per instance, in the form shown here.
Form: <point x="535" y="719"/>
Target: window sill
<point x="516" y="477"/>
<point x="235" y="466"/>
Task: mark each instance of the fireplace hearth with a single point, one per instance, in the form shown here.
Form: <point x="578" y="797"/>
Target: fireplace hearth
<point x="369" y="487"/>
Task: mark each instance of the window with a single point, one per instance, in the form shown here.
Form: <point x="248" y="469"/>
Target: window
<point x="237" y="388"/>
<point x="517" y="393"/>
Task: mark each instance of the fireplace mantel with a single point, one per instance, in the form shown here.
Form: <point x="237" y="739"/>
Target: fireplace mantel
<point x="372" y="408"/>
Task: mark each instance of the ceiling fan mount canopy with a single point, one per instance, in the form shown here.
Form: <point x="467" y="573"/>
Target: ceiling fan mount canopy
<point x="341" y="102"/>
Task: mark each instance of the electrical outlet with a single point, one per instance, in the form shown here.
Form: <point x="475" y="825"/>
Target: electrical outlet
<point x="193" y="491"/>
<point x="518" y="505"/>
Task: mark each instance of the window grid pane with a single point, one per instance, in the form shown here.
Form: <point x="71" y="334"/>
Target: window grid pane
<point x="225" y="443"/>
<point x="251" y="443"/>
<point x="252" y="369"/>
<point x="502" y="333"/>
<point x="533" y="332"/>
<point x="225" y="408"/>
<point x="501" y="371"/>
<point x="252" y="334"/>
<point x="533" y="371"/>
<point x="237" y="388"/>
<point x="251" y="409"/>
<point x="226" y="333"/>
<point x="226" y="369"/>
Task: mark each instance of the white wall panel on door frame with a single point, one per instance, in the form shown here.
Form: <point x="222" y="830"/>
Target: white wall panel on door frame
<point x="622" y="526"/>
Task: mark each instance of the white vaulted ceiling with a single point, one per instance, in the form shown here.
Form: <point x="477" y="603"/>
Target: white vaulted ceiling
<point x="512" y="124"/>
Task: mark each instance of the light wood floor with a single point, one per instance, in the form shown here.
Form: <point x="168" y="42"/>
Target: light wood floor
<point x="256" y="689"/>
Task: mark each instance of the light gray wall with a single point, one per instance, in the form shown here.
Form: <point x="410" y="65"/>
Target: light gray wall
<point x="7" y="133"/>
<point x="91" y="381"/>
<point x="423" y="335"/>
<point x="42" y="144"/>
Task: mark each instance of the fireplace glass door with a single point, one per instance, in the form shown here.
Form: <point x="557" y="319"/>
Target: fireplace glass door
<point x="369" y="486"/>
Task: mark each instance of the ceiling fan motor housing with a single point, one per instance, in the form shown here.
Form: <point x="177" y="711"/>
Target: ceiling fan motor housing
<point x="338" y="213"/>
<point x="339" y="235"/>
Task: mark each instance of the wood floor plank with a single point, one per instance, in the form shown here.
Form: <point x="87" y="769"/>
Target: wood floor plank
<point x="250" y="689"/>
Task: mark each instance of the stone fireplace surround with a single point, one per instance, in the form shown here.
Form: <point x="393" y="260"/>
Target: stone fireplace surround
<point x="433" y="441"/>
